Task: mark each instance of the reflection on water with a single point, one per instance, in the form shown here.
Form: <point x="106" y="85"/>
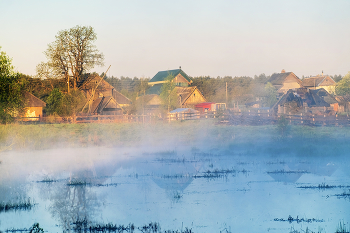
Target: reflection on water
<point x="132" y="190"/>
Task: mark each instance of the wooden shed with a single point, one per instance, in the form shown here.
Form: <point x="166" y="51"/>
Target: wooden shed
<point x="34" y="107"/>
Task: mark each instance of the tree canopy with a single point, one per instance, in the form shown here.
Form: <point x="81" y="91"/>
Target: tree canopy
<point x="71" y="54"/>
<point x="11" y="90"/>
<point x="168" y="94"/>
<point x="343" y="86"/>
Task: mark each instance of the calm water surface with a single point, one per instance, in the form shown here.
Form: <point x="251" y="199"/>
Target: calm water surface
<point x="216" y="190"/>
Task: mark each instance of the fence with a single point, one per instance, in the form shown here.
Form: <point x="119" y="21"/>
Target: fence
<point x="250" y="117"/>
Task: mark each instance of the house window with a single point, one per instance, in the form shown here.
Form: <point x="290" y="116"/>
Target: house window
<point x="194" y="94"/>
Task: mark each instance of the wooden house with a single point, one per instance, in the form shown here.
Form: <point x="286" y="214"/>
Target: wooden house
<point x="187" y="95"/>
<point x="285" y="81"/>
<point x="308" y="101"/>
<point x="320" y="81"/>
<point x="103" y="97"/>
<point x="180" y="78"/>
<point x="34" y="107"/>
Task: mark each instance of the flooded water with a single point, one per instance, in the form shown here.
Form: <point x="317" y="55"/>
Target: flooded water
<point x="184" y="189"/>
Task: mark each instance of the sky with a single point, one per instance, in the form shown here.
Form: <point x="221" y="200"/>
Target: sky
<point x="206" y="38"/>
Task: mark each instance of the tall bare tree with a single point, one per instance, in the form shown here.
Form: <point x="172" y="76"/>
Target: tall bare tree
<point x="73" y="53"/>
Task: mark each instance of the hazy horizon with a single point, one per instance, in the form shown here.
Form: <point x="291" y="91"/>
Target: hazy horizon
<point x="205" y="38"/>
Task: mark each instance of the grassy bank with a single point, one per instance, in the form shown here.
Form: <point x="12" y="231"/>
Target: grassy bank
<point x="192" y="133"/>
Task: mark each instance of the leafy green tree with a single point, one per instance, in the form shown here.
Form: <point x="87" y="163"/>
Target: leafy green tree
<point x="337" y="78"/>
<point x="343" y="86"/>
<point x="12" y="101"/>
<point x="71" y="54"/>
<point x="54" y="102"/>
<point x="72" y="103"/>
<point x="68" y="104"/>
<point x="168" y="94"/>
<point x="271" y="95"/>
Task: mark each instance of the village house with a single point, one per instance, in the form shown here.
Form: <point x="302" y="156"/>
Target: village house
<point x="303" y="100"/>
<point x="320" y="81"/>
<point x="187" y="95"/>
<point x="33" y="107"/>
<point x="285" y="81"/>
<point x="102" y="97"/>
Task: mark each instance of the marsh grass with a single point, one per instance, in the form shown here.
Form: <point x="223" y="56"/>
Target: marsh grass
<point x="282" y="171"/>
<point x="345" y="195"/>
<point x="324" y="186"/>
<point x="290" y="219"/>
<point x="197" y="134"/>
<point x="342" y="228"/>
<point x="216" y="173"/>
<point x="82" y="225"/>
<point x="16" y="206"/>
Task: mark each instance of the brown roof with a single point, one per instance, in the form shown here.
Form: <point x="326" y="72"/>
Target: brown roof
<point x="100" y="103"/>
<point x="278" y="78"/>
<point x="120" y="98"/>
<point x="316" y="81"/>
<point x="147" y="98"/>
<point x="32" y="101"/>
<point x="185" y="92"/>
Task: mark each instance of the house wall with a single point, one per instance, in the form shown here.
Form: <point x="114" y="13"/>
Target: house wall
<point x="33" y="112"/>
<point x="290" y="82"/>
<point x="195" y="98"/>
<point x="329" y="89"/>
<point x="179" y="80"/>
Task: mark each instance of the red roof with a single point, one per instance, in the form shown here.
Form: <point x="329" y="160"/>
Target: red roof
<point x="205" y="104"/>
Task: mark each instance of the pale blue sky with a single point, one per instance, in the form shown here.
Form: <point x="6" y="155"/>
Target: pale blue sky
<point x="216" y="38"/>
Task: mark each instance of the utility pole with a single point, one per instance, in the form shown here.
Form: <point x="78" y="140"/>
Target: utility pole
<point x="226" y="93"/>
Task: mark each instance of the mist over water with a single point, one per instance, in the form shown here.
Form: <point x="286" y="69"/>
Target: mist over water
<point x="200" y="176"/>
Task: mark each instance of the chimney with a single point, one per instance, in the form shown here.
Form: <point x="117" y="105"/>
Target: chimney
<point x="283" y="71"/>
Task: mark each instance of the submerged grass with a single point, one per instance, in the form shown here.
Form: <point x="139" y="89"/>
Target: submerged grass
<point x="16" y="206"/>
<point x="83" y="225"/>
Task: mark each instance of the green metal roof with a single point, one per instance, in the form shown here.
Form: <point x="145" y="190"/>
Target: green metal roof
<point x="162" y="75"/>
<point x="155" y="89"/>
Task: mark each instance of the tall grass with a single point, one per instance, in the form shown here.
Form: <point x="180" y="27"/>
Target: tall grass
<point x="194" y="133"/>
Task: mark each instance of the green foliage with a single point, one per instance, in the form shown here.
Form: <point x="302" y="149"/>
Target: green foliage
<point x="282" y="126"/>
<point x="54" y="102"/>
<point x="168" y="94"/>
<point x="129" y="87"/>
<point x="271" y="95"/>
<point x="239" y="89"/>
<point x="71" y="54"/>
<point x="343" y="86"/>
<point x="64" y="104"/>
<point x="337" y="78"/>
<point x="11" y="91"/>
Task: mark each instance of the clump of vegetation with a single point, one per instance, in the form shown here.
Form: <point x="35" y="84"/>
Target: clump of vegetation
<point x="342" y="228"/>
<point x="16" y="206"/>
<point x="282" y="171"/>
<point x="77" y="182"/>
<point x="82" y="225"/>
<point x="216" y="173"/>
<point x="290" y="219"/>
<point x="36" y="229"/>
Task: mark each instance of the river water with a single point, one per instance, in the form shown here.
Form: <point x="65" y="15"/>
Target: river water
<point x="227" y="189"/>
